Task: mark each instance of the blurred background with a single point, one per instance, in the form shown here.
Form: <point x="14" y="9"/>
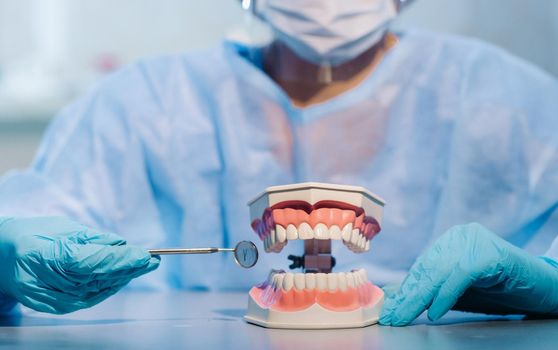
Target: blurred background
<point x="53" y="50"/>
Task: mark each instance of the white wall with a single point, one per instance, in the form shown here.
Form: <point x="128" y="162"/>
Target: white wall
<point x="528" y="28"/>
<point x="125" y="28"/>
<point x="18" y="144"/>
<point x="133" y="28"/>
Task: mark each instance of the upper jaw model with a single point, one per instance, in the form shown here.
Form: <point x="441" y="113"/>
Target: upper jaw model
<point x="318" y="298"/>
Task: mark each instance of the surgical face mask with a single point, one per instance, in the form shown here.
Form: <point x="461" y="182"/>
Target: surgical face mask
<point x="327" y="32"/>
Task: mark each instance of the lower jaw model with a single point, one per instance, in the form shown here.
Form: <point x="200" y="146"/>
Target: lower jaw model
<point x="318" y="298"/>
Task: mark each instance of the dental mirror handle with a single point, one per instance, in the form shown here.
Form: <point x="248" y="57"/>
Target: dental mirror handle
<point x="173" y="251"/>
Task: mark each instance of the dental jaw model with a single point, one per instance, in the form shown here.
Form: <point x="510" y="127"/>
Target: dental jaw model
<point x="318" y="298"/>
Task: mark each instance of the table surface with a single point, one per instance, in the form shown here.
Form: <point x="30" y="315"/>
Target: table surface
<point x="201" y="320"/>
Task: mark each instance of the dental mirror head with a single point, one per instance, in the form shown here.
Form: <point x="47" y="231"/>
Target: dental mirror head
<point x="246" y="254"/>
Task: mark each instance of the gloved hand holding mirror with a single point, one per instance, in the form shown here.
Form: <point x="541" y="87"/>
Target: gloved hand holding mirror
<point x="55" y="265"/>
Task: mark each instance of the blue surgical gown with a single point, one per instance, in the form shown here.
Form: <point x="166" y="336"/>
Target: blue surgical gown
<point x="168" y="151"/>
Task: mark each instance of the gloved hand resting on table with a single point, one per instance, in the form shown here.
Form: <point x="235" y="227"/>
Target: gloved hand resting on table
<point x="56" y="265"/>
<point x="470" y="268"/>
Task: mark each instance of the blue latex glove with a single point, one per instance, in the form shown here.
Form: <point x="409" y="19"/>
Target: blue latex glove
<point x="471" y="269"/>
<point x="56" y="265"/>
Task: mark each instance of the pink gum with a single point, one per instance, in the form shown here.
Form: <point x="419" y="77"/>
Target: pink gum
<point x="351" y="299"/>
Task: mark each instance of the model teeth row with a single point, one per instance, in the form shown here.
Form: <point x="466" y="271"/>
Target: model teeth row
<point x="277" y="238"/>
<point x="320" y="281"/>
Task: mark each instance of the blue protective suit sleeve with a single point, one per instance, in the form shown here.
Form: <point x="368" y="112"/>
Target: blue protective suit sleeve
<point x="503" y="158"/>
<point x="92" y="164"/>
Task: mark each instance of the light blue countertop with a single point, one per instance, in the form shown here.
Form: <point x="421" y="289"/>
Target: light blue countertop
<point x="199" y="320"/>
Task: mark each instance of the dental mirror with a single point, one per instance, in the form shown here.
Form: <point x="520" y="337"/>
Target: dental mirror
<point x="245" y="252"/>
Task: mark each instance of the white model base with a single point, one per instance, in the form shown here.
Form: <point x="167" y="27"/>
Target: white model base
<point x="315" y="317"/>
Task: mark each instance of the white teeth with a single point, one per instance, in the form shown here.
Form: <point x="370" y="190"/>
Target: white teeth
<point x="299" y="281"/>
<point x="332" y="281"/>
<point x="278" y="280"/>
<point x="363" y="275"/>
<point x="266" y="243"/>
<point x="305" y="231"/>
<point x="310" y="280"/>
<point x="270" y="276"/>
<point x="335" y="232"/>
<point x="272" y="238"/>
<point x="281" y="233"/>
<point x="346" y="233"/>
<point x="321" y="231"/>
<point x="274" y="246"/>
<point x="321" y="281"/>
<point x="292" y="233"/>
<point x="358" y="280"/>
<point x="271" y="243"/>
<point x="288" y="281"/>
<point x="342" y="281"/>
<point x="361" y="242"/>
<point x="350" y="280"/>
<point x="354" y="236"/>
<point x="275" y="240"/>
<point x="278" y="237"/>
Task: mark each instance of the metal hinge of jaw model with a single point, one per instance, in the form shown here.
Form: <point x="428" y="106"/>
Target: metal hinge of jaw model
<point x="317" y="257"/>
